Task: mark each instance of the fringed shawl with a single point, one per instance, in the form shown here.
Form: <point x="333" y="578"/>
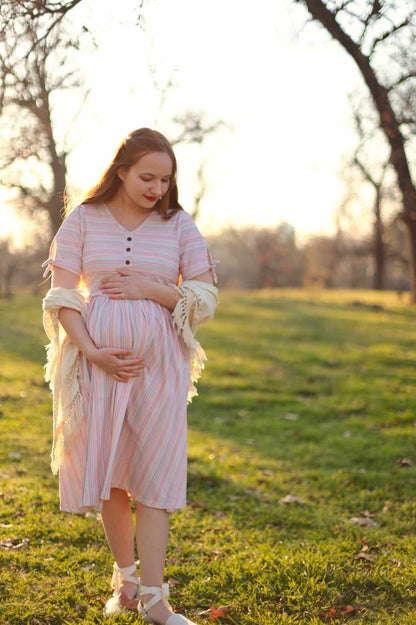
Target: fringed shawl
<point x="197" y="304"/>
<point x="62" y="370"/>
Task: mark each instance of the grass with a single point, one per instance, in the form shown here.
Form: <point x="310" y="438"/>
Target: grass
<point x="305" y="394"/>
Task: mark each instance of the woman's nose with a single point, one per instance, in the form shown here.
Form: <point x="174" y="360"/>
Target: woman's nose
<point x="157" y="187"/>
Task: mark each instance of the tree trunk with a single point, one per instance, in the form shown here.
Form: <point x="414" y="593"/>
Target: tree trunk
<point x="388" y="123"/>
<point x="379" y="251"/>
<point x="411" y="237"/>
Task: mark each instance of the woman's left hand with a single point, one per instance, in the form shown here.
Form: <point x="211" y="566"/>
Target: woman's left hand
<point x="126" y="284"/>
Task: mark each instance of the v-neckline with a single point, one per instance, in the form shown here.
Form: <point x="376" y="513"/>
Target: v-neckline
<point x="121" y="225"/>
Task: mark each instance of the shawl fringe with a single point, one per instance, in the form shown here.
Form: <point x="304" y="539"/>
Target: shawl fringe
<point x="61" y="371"/>
<point x="196" y="306"/>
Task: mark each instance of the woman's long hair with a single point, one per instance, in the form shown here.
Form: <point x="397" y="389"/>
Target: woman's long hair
<point x="131" y="149"/>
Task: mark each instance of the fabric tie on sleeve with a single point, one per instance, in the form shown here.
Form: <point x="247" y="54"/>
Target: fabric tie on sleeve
<point x="48" y="264"/>
<point x="212" y="263"/>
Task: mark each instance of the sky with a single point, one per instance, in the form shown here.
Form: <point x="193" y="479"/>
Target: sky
<point x="280" y="86"/>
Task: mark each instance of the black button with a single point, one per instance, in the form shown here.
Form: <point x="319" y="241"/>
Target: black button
<point x="128" y="249"/>
<point x="129" y="239"/>
<point x="127" y="262"/>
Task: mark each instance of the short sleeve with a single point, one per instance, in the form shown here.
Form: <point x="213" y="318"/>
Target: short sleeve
<point x="195" y="257"/>
<point x="66" y="248"/>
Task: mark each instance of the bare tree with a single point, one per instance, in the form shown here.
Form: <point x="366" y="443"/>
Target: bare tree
<point x="373" y="172"/>
<point x="46" y="14"/>
<point x="34" y="69"/>
<point x="380" y="36"/>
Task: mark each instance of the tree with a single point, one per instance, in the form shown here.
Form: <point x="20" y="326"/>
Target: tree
<point x="194" y="130"/>
<point x="381" y="35"/>
<point x="35" y="67"/>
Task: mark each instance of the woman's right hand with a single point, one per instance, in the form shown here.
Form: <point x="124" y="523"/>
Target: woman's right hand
<point x="116" y="363"/>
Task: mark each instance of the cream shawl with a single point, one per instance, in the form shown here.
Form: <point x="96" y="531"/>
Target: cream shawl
<point x="197" y="304"/>
<point x="62" y="370"/>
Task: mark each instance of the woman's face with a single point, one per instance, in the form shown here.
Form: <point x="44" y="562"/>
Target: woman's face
<point x="148" y="179"/>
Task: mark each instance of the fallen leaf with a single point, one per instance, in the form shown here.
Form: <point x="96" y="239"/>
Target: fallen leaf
<point x="335" y="613"/>
<point x="363" y="521"/>
<point x="214" y="612"/>
<point x="366" y="546"/>
<point x="173" y="582"/>
<point x="328" y="616"/>
<point x="353" y="609"/>
<point x="218" y="612"/>
<point x="6" y="525"/>
<point x="291" y="499"/>
<point x="350" y="609"/>
<point x="92" y="515"/>
<point x="404" y="462"/>
<point x="198" y="504"/>
<point x="87" y="567"/>
<point x="364" y="556"/>
<point x="9" y="544"/>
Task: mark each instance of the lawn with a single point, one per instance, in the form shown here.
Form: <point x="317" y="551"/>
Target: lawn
<point x="302" y="470"/>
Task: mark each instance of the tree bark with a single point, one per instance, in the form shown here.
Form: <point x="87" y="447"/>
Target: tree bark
<point x="388" y="122"/>
<point x="379" y="249"/>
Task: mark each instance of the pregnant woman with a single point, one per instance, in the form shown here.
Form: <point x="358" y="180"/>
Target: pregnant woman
<point x="131" y="279"/>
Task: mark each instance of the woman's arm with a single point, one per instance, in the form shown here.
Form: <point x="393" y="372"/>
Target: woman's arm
<point x="70" y="319"/>
<point x="109" y="359"/>
<point x="128" y="284"/>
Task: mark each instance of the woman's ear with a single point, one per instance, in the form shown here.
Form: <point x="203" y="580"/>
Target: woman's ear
<point x="121" y="172"/>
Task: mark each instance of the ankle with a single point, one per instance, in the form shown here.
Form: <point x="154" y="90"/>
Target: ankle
<point x="129" y="589"/>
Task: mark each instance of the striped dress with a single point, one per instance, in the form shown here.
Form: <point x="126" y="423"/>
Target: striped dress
<point x="134" y="434"/>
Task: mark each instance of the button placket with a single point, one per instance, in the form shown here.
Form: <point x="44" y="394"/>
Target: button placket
<point x="128" y="249"/>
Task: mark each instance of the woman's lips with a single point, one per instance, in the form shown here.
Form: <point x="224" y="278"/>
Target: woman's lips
<point x="152" y="199"/>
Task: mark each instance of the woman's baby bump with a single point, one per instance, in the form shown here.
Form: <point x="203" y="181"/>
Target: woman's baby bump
<point x="124" y="324"/>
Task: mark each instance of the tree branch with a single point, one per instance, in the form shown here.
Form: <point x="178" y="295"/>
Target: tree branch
<point x="388" y="34"/>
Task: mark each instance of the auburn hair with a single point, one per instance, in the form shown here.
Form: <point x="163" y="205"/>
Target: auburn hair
<point x="131" y="149"/>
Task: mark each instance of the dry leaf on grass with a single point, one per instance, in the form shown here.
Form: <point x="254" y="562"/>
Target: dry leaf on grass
<point x="87" y="567"/>
<point x="364" y="556"/>
<point x="366" y="546"/>
<point x="328" y="616"/>
<point x="363" y="521"/>
<point x="404" y="462"/>
<point x="336" y="613"/>
<point x="291" y="499"/>
<point x="11" y="544"/>
<point x="214" y="612"/>
<point x="93" y="515"/>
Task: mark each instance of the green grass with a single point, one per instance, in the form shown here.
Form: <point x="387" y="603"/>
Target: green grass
<point x="304" y="394"/>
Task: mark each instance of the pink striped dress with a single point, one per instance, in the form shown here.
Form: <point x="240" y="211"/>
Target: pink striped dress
<point x="134" y="434"/>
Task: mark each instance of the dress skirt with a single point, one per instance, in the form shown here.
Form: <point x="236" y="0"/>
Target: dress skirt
<point x="134" y="434"/>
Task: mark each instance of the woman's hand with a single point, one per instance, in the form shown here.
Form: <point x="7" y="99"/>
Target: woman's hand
<point x="116" y="363"/>
<point x="126" y="284"/>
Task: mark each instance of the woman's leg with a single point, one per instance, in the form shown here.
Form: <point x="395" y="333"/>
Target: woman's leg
<point x="119" y="530"/>
<point x="152" y="526"/>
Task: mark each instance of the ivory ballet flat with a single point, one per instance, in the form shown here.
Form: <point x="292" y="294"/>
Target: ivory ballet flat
<point x="119" y="603"/>
<point x="160" y="593"/>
